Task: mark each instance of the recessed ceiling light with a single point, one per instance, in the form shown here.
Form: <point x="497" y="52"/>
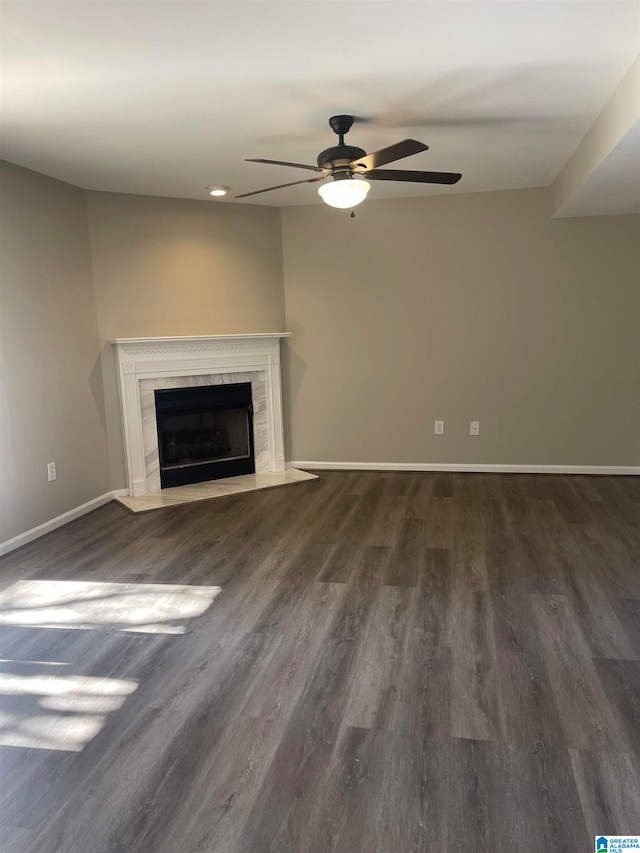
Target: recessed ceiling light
<point x="218" y="190"/>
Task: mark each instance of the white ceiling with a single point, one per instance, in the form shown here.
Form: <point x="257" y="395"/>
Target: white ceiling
<point x="164" y="98"/>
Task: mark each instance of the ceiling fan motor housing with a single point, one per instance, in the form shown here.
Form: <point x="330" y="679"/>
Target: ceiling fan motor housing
<point x="339" y="155"/>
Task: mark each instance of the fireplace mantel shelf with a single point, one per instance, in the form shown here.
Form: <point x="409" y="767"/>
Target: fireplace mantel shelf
<point x="190" y="339"/>
<point x="200" y="360"/>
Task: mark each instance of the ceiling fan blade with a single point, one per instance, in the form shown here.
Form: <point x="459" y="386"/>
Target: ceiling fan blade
<point x="282" y="163"/>
<point x="388" y="155"/>
<point x="280" y="186"/>
<point x="406" y="120"/>
<point x="417" y="177"/>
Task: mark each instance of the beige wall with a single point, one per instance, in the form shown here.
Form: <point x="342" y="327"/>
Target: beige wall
<point x="176" y="267"/>
<point x="51" y="400"/>
<point x="466" y="307"/>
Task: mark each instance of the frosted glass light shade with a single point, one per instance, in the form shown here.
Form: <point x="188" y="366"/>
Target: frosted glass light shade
<point x="345" y="193"/>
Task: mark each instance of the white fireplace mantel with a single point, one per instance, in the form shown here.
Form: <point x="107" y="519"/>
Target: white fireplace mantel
<point x="206" y="359"/>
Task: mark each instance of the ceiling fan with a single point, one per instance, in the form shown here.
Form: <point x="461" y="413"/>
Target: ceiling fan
<point x="349" y="166"/>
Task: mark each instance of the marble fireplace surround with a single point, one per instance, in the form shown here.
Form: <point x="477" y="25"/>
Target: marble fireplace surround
<point x="146" y="364"/>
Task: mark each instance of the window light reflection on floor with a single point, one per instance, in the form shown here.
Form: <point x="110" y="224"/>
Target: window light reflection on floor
<point x="55" y="711"/>
<point x="44" y="704"/>
<point x="141" y="607"/>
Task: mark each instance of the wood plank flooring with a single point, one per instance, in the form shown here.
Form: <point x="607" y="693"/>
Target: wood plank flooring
<point x="366" y="663"/>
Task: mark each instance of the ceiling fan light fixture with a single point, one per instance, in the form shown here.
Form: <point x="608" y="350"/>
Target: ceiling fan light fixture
<point x="346" y="164"/>
<point x="345" y="193"/>
<point x="217" y="190"/>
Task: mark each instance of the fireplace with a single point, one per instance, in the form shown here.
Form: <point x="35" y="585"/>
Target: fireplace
<point x="147" y="365"/>
<point x="204" y="433"/>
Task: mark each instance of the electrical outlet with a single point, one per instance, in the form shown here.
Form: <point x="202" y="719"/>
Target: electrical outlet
<point x="439" y="429"/>
<point x="51" y="471"/>
<point x="474" y="428"/>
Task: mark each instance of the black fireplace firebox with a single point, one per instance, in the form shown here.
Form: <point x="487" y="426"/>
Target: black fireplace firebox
<point x="204" y="433"/>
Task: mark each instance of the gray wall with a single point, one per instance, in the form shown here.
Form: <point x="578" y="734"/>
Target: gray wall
<point x="167" y="266"/>
<point x="51" y="399"/>
<point x="467" y="307"/>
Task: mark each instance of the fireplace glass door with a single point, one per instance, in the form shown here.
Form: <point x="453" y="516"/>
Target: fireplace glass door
<point x="204" y="433"/>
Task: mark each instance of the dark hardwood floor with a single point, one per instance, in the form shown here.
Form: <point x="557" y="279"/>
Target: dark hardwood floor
<point x="368" y="663"/>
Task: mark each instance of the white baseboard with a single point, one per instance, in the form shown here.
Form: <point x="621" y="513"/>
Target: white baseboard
<point x="468" y="468"/>
<point x="52" y="524"/>
<point x="462" y="467"/>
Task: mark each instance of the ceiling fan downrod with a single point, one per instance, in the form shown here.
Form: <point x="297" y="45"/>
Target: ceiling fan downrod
<point x="338" y="157"/>
<point x="341" y="125"/>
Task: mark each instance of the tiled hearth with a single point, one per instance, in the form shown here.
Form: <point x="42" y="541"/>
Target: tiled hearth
<point x="148" y="364"/>
<point x="215" y="489"/>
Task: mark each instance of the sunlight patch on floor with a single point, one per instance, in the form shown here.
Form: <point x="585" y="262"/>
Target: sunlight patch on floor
<point x="143" y="608"/>
<point x="55" y="711"/>
<point x="32" y="662"/>
<point x="45" y="704"/>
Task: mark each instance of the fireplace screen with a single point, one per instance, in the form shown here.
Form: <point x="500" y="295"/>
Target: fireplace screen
<point x="204" y="433"/>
